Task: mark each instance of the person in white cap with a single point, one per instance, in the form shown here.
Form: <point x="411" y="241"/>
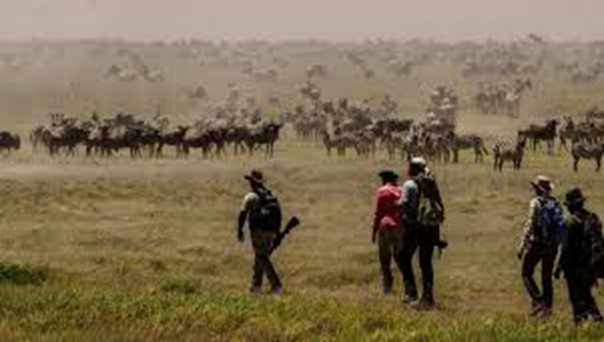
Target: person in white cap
<point x="423" y="212"/>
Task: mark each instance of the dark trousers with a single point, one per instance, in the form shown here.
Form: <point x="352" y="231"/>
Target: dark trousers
<point x="262" y="242"/>
<point x="423" y="238"/>
<point x="390" y="242"/>
<point x="581" y="299"/>
<point x="546" y="255"/>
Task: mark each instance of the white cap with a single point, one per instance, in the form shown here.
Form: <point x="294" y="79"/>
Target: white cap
<point x="418" y="160"/>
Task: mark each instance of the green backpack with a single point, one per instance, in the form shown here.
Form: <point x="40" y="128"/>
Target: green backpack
<point x="430" y="213"/>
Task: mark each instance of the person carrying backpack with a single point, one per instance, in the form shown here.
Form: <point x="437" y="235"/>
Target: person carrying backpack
<point x="262" y="211"/>
<point x="541" y="239"/>
<point x="581" y="254"/>
<point x="423" y="213"/>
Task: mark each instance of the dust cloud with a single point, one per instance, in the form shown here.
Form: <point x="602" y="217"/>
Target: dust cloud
<point x="350" y="20"/>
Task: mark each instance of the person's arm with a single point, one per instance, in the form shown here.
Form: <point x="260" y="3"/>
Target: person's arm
<point x="562" y="260"/>
<point x="409" y="204"/>
<point x="528" y="227"/>
<point x="438" y="199"/>
<point x="241" y="224"/>
<point x="377" y="217"/>
<point x="243" y="215"/>
<point x="595" y="234"/>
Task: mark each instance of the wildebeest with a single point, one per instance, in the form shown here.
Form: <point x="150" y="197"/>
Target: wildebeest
<point x="9" y="142"/>
<point x="584" y="150"/>
<point x="266" y="135"/>
<point x="536" y="133"/>
<point x="467" y="142"/>
<point x="173" y="138"/>
<point x="505" y="151"/>
<point x="340" y="142"/>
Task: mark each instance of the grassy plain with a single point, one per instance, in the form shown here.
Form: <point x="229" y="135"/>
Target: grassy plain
<point x="146" y="250"/>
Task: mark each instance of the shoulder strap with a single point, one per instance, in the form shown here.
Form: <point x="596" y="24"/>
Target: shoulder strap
<point x="262" y="192"/>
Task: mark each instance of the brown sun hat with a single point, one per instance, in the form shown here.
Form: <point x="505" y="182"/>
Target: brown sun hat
<point x="255" y="176"/>
<point x="543" y="183"/>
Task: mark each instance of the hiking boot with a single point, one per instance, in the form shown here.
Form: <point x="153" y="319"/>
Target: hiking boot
<point x="545" y="312"/>
<point x="255" y="290"/>
<point x="277" y="290"/>
<point x="424" y="303"/>
<point x="536" y="308"/>
<point x="409" y="299"/>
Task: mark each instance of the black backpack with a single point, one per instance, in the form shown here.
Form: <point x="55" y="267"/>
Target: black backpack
<point x="593" y="230"/>
<point x="267" y="213"/>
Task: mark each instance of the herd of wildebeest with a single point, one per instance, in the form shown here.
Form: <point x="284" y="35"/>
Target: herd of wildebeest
<point x="502" y="74"/>
<point x="340" y="126"/>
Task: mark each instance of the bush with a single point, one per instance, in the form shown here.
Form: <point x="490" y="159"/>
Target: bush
<point x="22" y="275"/>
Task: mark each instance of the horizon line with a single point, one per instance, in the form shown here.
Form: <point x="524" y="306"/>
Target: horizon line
<point x="323" y="40"/>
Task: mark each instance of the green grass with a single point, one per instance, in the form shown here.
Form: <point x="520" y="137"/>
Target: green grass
<point x="146" y="250"/>
<point x="122" y="250"/>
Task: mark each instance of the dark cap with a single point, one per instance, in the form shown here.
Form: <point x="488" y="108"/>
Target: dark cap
<point x="388" y="175"/>
<point x="574" y="196"/>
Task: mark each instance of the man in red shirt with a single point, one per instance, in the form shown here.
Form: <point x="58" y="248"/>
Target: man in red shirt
<point x="387" y="226"/>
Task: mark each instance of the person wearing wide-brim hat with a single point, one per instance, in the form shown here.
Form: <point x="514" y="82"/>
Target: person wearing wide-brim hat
<point x="255" y="177"/>
<point x="542" y="234"/>
<point x="543" y="185"/>
<point x="387" y="226"/>
<point x="582" y="256"/>
<point x="263" y="230"/>
<point x="574" y="199"/>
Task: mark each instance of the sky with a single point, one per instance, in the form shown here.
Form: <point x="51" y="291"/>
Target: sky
<point x="347" y="20"/>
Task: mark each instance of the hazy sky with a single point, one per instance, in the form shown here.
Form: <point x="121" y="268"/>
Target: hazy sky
<point x="287" y="19"/>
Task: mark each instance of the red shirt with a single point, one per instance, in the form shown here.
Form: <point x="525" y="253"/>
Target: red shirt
<point x="387" y="211"/>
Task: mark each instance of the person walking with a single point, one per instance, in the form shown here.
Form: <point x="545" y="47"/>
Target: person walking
<point x="262" y="211"/>
<point x="580" y="245"/>
<point x="387" y="226"/>
<point x="423" y="213"/>
<point x="540" y="241"/>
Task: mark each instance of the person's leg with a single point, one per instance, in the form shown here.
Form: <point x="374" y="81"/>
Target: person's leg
<point x="262" y="250"/>
<point x="410" y="244"/>
<point x="385" y="254"/>
<point x="547" y="270"/>
<point x="397" y="243"/>
<point x="530" y="261"/>
<point x="573" y="296"/>
<point x="590" y="305"/>
<point x="269" y="269"/>
<point x="258" y="270"/>
<point x="426" y="252"/>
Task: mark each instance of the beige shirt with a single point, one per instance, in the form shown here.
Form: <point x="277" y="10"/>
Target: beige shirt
<point x="250" y="201"/>
<point x="534" y="209"/>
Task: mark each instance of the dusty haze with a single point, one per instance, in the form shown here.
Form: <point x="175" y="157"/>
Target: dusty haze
<point x="288" y="19"/>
